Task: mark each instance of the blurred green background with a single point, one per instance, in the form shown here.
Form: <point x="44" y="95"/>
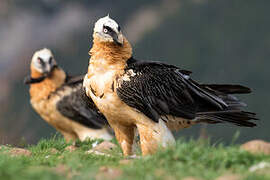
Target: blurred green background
<point x="221" y="41"/>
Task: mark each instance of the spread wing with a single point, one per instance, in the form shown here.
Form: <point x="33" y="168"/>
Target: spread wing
<point x="77" y="106"/>
<point x="157" y="90"/>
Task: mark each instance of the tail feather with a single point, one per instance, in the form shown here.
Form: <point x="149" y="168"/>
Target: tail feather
<point x="232" y="101"/>
<point x="239" y="118"/>
<point x="233" y="113"/>
<point x="228" y="88"/>
<point x="224" y="92"/>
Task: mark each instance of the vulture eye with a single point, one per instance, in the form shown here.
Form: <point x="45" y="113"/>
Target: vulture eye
<point x="39" y="60"/>
<point x="105" y="30"/>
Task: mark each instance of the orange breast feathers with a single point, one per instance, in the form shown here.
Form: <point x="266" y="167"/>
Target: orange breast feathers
<point x="112" y="53"/>
<point x="108" y="61"/>
<point x="43" y="89"/>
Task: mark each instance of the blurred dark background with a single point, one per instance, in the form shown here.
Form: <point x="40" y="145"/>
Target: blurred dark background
<point x="221" y="41"/>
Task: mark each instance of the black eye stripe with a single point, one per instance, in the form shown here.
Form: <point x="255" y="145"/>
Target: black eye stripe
<point x="119" y="29"/>
<point x="108" y="28"/>
<point x="50" y="60"/>
<point x="41" y="61"/>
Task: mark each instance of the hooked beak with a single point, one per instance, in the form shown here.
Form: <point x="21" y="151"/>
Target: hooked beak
<point x="118" y="38"/>
<point x="48" y="70"/>
<point x="46" y="73"/>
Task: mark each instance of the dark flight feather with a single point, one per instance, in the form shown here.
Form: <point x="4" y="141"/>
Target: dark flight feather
<point x="228" y="88"/>
<point x="78" y="107"/>
<point x="74" y="79"/>
<point x="157" y="90"/>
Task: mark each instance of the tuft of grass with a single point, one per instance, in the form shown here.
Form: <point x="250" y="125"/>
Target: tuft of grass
<point x="189" y="158"/>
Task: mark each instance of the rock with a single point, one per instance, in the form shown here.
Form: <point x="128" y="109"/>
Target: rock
<point x="102" y="149"/>
<point x="71" y="148"/>
<point x="64" y="170"/>
<point x="54" y="151"/>
<point x="257" y="147"/>
<point x="230" y="177"/>
<point x="125" y="161"/>
<point x="160" y="172"/>
<point x="2" y="147"/>
<point x="260" y="166"/>
<point x="61" y="169"/>
<point x="134" y="156"/>
<point x="19" y="152"/>
<point x="97" y="153"/>
<point x="108" y="173"/>
<point x="105" y="146"/>
<point x="60" y="157"/>
<point x="191" y="178"/>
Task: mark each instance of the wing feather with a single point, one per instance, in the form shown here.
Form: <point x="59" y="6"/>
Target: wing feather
<point x="156" y="90"/>
<point x="78" y="107"/>
<point x="159" y="90"/>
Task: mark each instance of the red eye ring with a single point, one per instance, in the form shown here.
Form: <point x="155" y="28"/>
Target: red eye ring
<point x="105" y="30"/>
<point x="39" y="60"/>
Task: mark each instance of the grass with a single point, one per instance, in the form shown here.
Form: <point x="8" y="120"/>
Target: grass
<point x="189" y="158"/>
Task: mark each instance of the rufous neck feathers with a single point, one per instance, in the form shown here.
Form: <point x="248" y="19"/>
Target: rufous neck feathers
<point x="43" y="89"/>
<point x="110" y="51"/>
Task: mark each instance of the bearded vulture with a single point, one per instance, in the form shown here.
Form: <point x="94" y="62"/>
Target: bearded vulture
<point x="152" y="97"/>
<point x="61" y="101"/>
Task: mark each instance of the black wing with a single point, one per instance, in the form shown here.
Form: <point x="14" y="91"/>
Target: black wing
<point x="78" y="107"/>
<point x="74" y="79"/>
<point x="157" y="89"/>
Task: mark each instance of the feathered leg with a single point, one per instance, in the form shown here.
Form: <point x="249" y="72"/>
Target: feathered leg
<point x="154" y="135"/>
<point x="125" y="137"/>
<point x="69" y="137"/>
